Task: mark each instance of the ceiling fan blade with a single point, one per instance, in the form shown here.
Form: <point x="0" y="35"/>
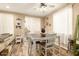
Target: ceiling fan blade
<point x="43" y="5"/>
<point x="51" y="5"/>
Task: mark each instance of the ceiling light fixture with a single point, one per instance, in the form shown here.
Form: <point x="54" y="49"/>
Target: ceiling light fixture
<point x="44" y="7"/>
<point x="7" y="6"/>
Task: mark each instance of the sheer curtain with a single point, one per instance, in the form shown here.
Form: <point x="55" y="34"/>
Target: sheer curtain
<point x="6" y="23"/>
<point x="62" y="23"/>
<point x="33" y="24"/>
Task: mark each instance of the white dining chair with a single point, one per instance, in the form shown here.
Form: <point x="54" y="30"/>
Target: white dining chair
<point x="49" y="44"/>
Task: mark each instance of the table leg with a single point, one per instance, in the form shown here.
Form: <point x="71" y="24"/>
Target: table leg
<point x="46" y="48"/>
<point x="34" y="48"/>
<point x="28" y="48"/>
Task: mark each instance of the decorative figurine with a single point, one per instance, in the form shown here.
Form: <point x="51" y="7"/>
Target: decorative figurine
<point x="43" y="32"/>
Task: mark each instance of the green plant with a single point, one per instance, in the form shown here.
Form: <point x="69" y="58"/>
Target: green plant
<point x="76" y="37"/>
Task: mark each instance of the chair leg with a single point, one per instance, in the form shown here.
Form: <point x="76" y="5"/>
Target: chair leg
<point x="29" y="49"/>
<point x="53" y="52"/>
<point x="45" y="52"/>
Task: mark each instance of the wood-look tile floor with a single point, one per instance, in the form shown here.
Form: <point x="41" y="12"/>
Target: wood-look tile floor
<point x="20" y="49"/>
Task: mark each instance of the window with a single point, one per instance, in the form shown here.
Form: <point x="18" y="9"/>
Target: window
<point x="33" y="24"/>
<point x="62" y="24"/>
<point x="6" y="23"/>
<point x="62" y="21"/>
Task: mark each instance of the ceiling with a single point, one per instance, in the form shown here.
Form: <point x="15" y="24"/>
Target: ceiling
<point x="32" y="9"/>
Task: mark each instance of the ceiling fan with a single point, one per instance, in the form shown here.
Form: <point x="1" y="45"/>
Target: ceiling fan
<point x="46" y="5"/>
<point x="42" y="7"/>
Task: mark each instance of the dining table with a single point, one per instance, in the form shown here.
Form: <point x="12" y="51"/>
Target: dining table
<point x="33" y="38"/>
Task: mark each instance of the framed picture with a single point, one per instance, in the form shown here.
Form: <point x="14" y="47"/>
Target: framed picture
<point x="46" y="23"/>
<point x="49" y="24"/>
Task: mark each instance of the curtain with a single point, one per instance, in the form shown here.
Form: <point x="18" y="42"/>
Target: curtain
<point x="33" y="24"/>
<point x="6" y="23"/>
<point x="62" y="21"/>
<point x="62" y="24"/>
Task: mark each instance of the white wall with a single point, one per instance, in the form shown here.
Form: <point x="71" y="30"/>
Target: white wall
<point x="6" y="23"/>
<point x="33" y="24"/>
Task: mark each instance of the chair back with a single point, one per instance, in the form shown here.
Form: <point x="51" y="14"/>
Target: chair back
<point x="51" y="40"/>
